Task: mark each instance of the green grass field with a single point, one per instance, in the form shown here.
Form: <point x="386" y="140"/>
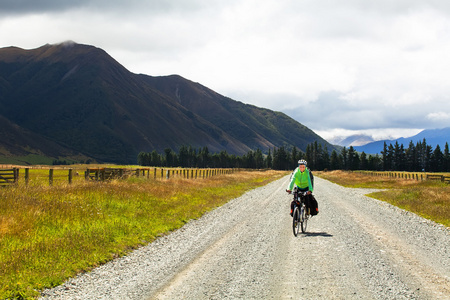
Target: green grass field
<point x="51" y="233"/>
<point x="429" y="199"/>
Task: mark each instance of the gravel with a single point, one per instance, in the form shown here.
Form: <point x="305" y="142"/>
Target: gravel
<point x="355" y="248"/>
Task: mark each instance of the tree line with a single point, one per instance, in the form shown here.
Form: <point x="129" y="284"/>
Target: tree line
<point x="417" y="157"/>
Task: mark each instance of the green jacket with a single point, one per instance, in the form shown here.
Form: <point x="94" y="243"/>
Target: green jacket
<point x="302" y="180"/>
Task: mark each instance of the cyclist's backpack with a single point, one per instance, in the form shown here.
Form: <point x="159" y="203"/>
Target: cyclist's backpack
<point x="314" y="206"/>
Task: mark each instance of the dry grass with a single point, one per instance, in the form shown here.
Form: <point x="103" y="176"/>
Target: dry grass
<point x="48" y="234"/>
<point x="428" y="199"/>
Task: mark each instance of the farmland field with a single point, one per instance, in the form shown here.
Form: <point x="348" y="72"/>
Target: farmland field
<point x="50" y="233"/>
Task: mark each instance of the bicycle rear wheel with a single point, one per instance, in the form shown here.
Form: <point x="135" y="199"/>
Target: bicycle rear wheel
<point x="303" y="219"/>
<point x="296" y="221"/>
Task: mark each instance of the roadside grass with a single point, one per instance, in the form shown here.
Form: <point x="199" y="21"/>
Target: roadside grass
<point x="51" y="233"/>
<point x="429" y="199"/>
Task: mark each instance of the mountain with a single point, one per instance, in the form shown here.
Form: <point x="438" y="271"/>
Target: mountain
<point x="432" y="137"/>
<point x="81" y="99"/>
<point x="25" y="145"/>
<point x="352" y="140"/>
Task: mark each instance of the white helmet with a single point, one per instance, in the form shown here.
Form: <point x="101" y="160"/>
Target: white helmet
<point x="302" y="162"/>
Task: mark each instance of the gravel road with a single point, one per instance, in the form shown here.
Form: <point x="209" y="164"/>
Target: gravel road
<point x="356" y="248"/>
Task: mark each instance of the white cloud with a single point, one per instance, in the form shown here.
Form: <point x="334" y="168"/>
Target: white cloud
<point x="376" y="134"/>
<point x="439" y="116"/>
<point x="356" y="65"/>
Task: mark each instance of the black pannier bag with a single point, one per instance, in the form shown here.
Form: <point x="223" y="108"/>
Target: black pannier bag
<point x="314" y="207"/>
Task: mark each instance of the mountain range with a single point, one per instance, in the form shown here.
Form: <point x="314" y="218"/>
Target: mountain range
<point x="75" y="101"/>
<point x="432" y="137"/>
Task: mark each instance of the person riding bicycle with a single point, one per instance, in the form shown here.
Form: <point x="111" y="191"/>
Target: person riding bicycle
<point x="304" y="180"/>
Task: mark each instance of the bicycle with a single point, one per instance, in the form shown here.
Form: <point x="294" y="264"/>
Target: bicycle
<point x="300" y="214"/>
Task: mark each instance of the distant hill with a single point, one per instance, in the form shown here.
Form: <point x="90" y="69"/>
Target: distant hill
<point x="82" y="101"/>
<point x="433" y="137"/>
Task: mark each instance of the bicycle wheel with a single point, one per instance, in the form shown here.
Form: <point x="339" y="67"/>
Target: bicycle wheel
<point x="296" y="221"/>
<point x="303" y="219"/>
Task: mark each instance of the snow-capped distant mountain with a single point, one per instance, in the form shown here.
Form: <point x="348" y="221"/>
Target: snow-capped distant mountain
<point x="353" y="140"/>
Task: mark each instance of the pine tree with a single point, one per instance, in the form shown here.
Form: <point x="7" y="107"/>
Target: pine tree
<point x="334" y="161"/>
<point x="446" y="158"/>
<point x="363" y="162"/>
<point x="269" y="160"/>
<point x="437" y="160"/>
<point x="344" y="155"/>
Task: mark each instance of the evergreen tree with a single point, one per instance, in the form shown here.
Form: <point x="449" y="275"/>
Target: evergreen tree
<point x="396" y="157"/>
<point x="411" y="157"/>
<point x="144" y="159"/>
<point x="437" y="160"/>
<point x="269" y="160"/>
<point x="295" y="156"/>
<point x="352" y="159"/>
<point x="384" y="158"/>
<point x="390" y="158"/>
<point x="363" y="162"/>
<point x="344" y="155"/>
<point x="204" y="158"/>
<point x="259" y="159"/>
<point x="309" y="155"/>
<point x="155" y="160"/>
<point x="334" y="161"/>
<point x="446" y="158"/>
<point x="325" y="159"/>
<point x="281" y="159"/>
<point x="428" y="154"/>
<point x="169" y="157"/>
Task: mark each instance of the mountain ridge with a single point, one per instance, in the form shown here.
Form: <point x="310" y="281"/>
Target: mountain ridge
<point x="432" y="137"/>
<point x="85" y="101"/>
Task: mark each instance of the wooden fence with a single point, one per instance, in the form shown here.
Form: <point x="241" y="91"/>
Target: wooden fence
<point x="409" y="175"/>
<point x="11" y="176"/>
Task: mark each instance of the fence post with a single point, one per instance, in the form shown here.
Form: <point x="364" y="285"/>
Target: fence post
<point x="168" y="174"/>
<point x="70" y="175"/>
<point x="16" y="175"/>
<point x="27" y="175"/>
<point x="50" y="176"/>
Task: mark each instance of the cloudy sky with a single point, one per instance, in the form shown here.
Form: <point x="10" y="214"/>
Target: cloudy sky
<point x="339" y="67"/>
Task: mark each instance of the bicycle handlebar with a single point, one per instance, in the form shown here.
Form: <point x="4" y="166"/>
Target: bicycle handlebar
<point x="298" y="192"/>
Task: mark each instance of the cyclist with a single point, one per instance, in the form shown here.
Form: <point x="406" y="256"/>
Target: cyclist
<point x="304" y="180"/>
